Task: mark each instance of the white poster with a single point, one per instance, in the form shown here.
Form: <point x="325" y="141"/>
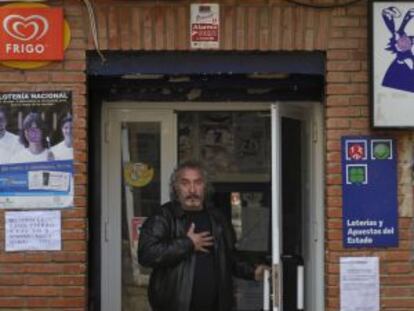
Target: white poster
<point x="33" y="231"/>
<point x="205" y="26"/>
<point x="392" y="54"/>
<point x="359" y="287"/>
<point x="36" y="150"/>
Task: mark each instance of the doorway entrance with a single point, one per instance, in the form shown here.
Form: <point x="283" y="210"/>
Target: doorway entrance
<point x="266" y="173"/>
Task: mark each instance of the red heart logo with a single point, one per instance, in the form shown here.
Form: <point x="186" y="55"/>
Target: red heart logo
<point x="25" y="28"/>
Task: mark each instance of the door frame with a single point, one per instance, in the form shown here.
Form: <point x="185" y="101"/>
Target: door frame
<point x="314" y="183"/>
<point x="312" y="192"/>
<point x="111" y="218"/>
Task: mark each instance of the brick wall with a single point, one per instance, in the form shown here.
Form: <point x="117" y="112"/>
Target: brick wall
<point x="275" y="26"/>
<point x="58" y="280"/>
<point x="54" y="280"/>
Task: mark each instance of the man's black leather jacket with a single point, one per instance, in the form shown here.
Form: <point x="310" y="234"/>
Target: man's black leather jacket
<point x="165" y="247"/>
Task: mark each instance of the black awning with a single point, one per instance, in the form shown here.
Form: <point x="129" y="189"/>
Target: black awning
<point x="196" y="62"/>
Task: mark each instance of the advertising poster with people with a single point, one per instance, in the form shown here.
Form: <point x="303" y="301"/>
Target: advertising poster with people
<point x="36" y="151"/>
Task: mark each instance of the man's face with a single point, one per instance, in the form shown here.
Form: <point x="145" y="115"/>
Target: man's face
<point x="3" y="122"/>
<point x="190" y="189"/>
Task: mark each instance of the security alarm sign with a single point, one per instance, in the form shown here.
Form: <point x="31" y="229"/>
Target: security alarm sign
<point x="31" y="33"/>
<point x="205" y="26"/>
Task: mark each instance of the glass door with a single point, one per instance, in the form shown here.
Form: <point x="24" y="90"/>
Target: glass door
<point x="259" y="160"/>
<point x="256" y="163"/>
<point x="140" y="154"/>
<point x="235" y="148"/>
<point x="289" y="155"/>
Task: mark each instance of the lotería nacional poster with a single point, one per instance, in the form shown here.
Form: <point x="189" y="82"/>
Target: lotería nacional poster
<point x="36" y="151"/>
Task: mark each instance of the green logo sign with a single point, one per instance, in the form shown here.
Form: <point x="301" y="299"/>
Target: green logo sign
<point x="382" y="151"/>
<point x="357" y="174"/>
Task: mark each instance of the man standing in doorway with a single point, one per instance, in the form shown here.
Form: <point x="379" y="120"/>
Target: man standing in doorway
<point x="190" y="247"/>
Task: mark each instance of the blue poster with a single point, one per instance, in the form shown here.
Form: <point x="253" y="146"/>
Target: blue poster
<point x="369" y="185"/>
<point x="36" y="150"/>
<point x="36" y="184"/>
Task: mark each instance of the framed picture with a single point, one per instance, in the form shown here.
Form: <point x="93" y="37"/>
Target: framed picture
<point x="392" y="63"/>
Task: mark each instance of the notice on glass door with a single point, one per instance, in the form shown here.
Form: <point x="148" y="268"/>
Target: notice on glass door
<point x="359" y="287"/>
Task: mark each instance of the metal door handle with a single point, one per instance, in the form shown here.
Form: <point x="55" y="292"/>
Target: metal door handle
<point x="300" y="280"/>
<point x="275" y="285"/>
<point x="300" y="287"/>
<point x="266" y="290"/>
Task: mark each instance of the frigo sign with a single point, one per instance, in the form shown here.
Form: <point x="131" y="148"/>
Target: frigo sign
<point x="31" y="33"/>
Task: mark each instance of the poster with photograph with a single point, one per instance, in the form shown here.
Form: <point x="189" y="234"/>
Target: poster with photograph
<point x="392" y="63"/>
<point x="36" y="152"/>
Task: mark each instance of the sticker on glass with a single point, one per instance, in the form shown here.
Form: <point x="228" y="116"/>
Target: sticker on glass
<point x="138" y="174"/>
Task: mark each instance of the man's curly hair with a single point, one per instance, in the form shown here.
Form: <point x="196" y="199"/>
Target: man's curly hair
<point x="189" y="164"/>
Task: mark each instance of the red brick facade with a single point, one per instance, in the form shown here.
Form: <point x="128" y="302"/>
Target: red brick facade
<point x="58" y="280"/>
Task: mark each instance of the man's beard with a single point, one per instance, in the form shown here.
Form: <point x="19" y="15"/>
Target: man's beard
<point x="192" y="197"/>
<point x="193" y="201"/>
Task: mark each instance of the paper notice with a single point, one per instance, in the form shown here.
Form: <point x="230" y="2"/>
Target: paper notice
<point x="359" y="284"/>
<point x="34" y="230"/>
